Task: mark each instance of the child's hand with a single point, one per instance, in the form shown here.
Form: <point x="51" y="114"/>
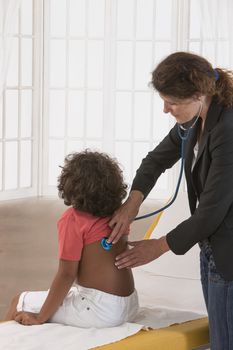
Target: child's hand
<point x="27" y="318"/>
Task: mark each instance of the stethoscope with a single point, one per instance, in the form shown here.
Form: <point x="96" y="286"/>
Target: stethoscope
<point x="183" y="133"/>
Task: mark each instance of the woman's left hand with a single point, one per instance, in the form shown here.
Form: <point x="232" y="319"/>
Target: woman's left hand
<point x="27" y="318"/>
<point x="142" y="252"/>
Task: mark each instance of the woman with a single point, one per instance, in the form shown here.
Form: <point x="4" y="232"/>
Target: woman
<point x="198" y="95"/>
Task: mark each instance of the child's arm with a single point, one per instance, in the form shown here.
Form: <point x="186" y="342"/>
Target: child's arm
<point x="66" y="274"/>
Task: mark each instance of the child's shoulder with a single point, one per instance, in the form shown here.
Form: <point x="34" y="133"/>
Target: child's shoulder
<point x="81" y="216"/>
<point x="67" y="213"/>
<point x="83" y="221"/>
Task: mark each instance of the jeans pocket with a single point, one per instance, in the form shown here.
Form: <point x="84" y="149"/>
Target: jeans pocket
<point x="203" y="267"/>
<point x="214" y="275"/>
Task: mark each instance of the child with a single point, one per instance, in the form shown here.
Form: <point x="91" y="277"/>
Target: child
<point x="103" y="296"/>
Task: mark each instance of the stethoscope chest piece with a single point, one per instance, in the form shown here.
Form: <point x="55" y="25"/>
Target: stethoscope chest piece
<point x="105" y="244"/>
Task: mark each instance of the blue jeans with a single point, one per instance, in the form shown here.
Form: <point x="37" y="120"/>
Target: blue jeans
<point x="218" y="295"/>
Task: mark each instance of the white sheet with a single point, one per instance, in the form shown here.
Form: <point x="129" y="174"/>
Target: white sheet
<point x="161" y="305"/>
<point x="14" y="336"/>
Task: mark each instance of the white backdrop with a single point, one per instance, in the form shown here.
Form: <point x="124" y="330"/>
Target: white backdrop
<point x="80" y="79"/>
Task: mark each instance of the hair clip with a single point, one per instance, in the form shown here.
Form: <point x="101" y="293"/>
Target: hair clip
<point x="216" y="74"/>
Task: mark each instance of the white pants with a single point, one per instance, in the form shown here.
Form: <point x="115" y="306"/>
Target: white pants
<point x="85" y="307"/>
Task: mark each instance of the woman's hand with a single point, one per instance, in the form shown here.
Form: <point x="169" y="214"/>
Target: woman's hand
<point x="120" y="222"/>
<point x="142" y="253"/>
<point x="123" y="217"/>
<point x="27" y="318"/>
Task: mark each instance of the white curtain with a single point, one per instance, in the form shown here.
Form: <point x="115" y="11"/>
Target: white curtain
<point x="217" y="27"/>
<point x="8" y="20"/>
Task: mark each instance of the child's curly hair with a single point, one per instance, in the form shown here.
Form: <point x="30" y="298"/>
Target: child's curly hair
<point x="92" y="182"/>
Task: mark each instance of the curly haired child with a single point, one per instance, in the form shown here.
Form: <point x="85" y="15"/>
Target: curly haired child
<point x="88" y="290"/>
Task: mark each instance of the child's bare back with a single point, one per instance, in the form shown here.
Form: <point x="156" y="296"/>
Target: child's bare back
<point x="97" y="269"/>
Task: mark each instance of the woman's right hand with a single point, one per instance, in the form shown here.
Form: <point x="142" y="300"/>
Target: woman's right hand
<point x="123" y="217"/>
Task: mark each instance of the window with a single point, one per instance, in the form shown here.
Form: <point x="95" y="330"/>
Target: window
<point x="96" y="81"/>
<point x="96" y="58"/>
<point x="212" y="41"/>
<point x="74" y="80"/>
<point x="18" y="134"/>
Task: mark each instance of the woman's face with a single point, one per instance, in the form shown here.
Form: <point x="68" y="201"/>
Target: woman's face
<point x="182" y="109"/>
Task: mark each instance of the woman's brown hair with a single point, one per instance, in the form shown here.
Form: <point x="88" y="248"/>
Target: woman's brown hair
<point x="92" y="182"/>
<point x="184" y="74"/>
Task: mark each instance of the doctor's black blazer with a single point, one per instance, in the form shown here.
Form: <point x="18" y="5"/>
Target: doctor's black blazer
<point x="209" y="185"/>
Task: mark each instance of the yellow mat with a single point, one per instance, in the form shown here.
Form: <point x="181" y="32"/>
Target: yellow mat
<point x="185" y="336"/>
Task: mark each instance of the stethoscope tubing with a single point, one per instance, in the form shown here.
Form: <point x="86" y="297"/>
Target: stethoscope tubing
<point x="176" y="190"/>
<point x="108" y="246"/>
<point x="184" y="138"/>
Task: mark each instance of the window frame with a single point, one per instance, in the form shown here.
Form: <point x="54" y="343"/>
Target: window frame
<point x="36" y="88"/>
